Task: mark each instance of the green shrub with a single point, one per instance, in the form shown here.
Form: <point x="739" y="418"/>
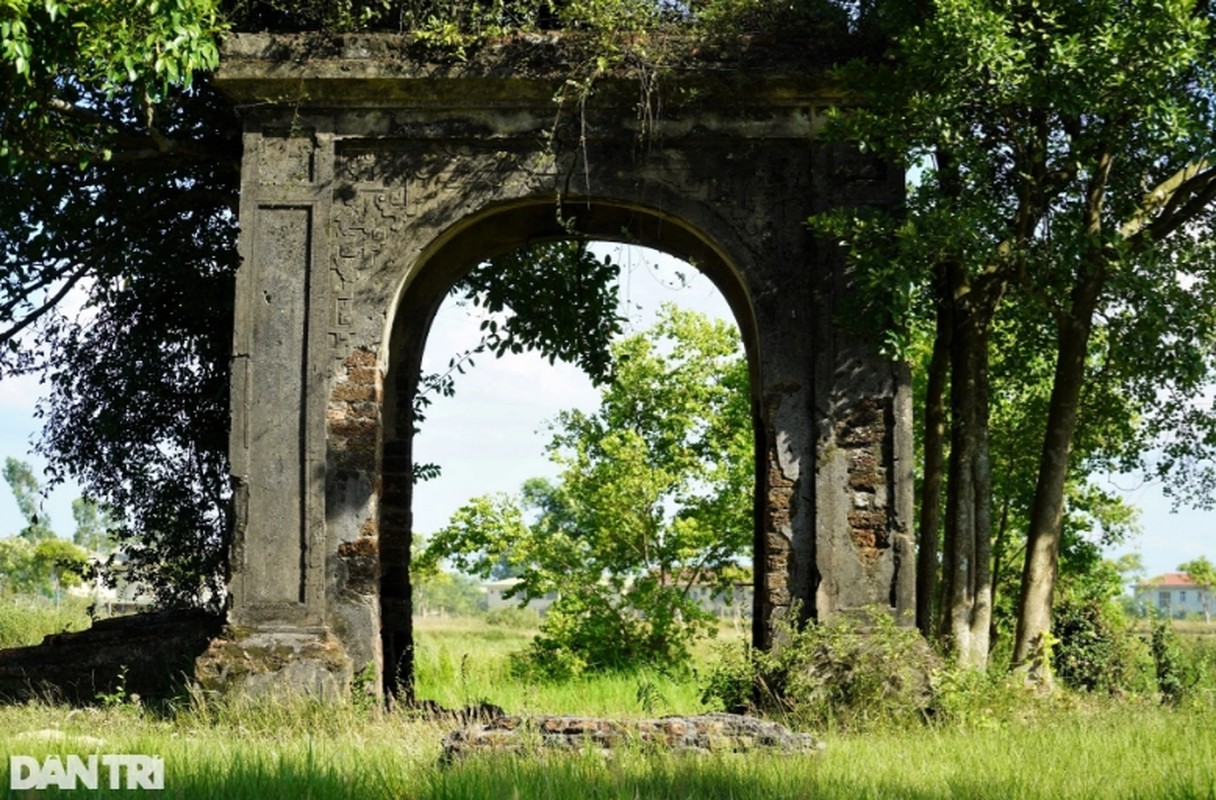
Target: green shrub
<point x="1203" y="660"/>
<point x="1176" y="672"/>
<point x="848" y="673"/>
<point x="971" y="698"/>
<point x="1095" y="649"/>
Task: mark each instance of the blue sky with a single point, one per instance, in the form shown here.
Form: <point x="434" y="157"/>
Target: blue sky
<point x="490" y="437"/>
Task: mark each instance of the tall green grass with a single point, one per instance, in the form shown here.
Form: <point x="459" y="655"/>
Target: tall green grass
<point x="997" y="741"/>
<point x="309" y="751"/>
<point x="27" y="619"/>
<point x="464" y="662"/>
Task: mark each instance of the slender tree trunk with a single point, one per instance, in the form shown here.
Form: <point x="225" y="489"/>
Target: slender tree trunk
<point x="1031" y="650"/>
<point x="998" y="555"/>
<point x="931" y="485"/>
<point x="966" y="569"/>
<point x="1047" y="512"/>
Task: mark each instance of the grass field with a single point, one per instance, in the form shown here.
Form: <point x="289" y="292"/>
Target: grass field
<point x="1007" y="746"/>
<point x="462" y="662"/>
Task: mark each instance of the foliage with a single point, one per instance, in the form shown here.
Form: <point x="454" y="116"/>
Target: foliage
<point x="847" y="673"/>
<point x="27" y="492"/>
<point x="1064" y="160"/>
<point x="119" y="182"/>
<point x="446" y="593"/>
<point x="437" y="591"/>
<point x="513" y="617"/>
<point x="1203" y="573"/>
<point x="1095" y="648"/>
<point x="93" y="524"/>
<point x="63" y="61"/>
<point x="16" y="561"/>
<point x="28" y="619"/>
<point x="138" y="403"/>
<point x="564" y="303"/>
<point x="556" y="298"/>
<point x="1176" y="676"/>
<point x="655" y="497"/>
<point x="44" y="567"/>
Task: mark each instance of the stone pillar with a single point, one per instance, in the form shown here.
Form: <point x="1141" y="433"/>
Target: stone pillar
<point x="278" y="638"/>
<point x="835" y="462"/>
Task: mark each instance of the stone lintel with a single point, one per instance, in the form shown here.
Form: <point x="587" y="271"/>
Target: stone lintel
<point x="381" y="70"/>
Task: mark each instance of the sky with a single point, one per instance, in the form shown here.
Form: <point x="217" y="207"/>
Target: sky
<point x="490" y="436"/>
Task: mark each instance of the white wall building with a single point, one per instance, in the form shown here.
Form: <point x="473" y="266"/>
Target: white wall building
<point x="496" y="591"/>
<point x="1174" y="594"/>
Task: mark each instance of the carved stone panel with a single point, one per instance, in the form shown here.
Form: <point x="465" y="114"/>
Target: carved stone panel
<point x="275" y="539"/>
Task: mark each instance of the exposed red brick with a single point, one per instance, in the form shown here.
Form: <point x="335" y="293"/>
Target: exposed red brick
<point x="361" y="357"/>
<point x="362" y="565"/>
<point x="348" y="391"/>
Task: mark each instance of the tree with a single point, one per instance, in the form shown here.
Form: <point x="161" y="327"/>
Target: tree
<point x="654" y="498"/>
<point x="1067" y="159"/>
<point x="27" y="491"/>
<point x="1201" y="571"/>
<point x="119" y="182"/>
<point x="16" y="561"/>
<point x="43" y="567"/>
<point x="437" y="590"/>
<point x="58" y="564"/>
<point x="93" y="525"/>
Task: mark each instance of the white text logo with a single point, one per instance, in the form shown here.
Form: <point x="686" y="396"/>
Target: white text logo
<point x="121" y="771"/>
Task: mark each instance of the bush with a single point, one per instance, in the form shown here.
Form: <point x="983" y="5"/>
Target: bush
<point x="848" y="673"/>
<point x="598" y="630"/>
<point x="1180" y="669"/>
<point x="513" y="617"/>
<point x="1095" y="649"/>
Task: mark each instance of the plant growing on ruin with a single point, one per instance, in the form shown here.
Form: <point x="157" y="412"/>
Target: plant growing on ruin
<point x="654" y="501"/>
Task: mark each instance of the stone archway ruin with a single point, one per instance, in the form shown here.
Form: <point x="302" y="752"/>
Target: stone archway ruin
<point x="371" y="181"/>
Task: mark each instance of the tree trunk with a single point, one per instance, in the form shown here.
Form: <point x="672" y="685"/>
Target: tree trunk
<point x="998" y="556"/>
<point x="966" y="570"/>
<point x="931" y="485"/>
<point x="1031" y="651"/>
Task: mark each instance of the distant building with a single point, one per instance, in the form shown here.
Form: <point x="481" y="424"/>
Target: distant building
<point x="121" y="596"/>
<point x="496" y="591"/>
<point x="733" y="600"/>
<point x="1174" y="594"/>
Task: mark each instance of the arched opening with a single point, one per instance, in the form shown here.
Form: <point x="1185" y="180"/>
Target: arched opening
<point x="423" y="293"/>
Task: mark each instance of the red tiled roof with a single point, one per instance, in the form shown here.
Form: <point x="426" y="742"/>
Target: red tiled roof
<point x="1170" y="579"/>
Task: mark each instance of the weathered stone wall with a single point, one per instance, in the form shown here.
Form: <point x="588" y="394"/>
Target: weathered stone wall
<point x="704" y="734"/>
<point x="151" y="655"/>
<point x="352" y="489"/>
<point x="372" y="182"/>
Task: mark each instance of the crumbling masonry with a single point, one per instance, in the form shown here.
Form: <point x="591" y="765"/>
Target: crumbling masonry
<point x="371" y="182"/>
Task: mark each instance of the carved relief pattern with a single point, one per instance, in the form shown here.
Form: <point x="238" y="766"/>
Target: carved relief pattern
<point x="368" y="214"/>
<point x="377" y="192"/>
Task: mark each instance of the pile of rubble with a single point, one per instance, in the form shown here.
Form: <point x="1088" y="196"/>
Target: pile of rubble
<point x="705" y="733"/>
